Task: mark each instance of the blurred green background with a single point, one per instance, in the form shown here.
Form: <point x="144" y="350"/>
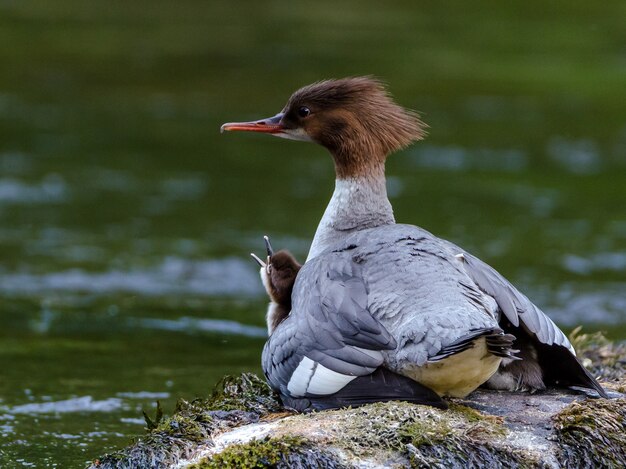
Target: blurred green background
<point x="126" y="219"/>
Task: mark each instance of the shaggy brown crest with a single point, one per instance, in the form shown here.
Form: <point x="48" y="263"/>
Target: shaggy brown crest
<point x="355" y="119"/>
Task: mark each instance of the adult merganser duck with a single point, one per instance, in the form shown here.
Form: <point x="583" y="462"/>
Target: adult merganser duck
<point x="377" y="298"/>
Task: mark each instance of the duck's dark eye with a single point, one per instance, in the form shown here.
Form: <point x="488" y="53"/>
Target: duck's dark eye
<point x="304" y="111"/>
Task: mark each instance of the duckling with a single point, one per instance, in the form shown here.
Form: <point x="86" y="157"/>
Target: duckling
<point x="278" y="274"/>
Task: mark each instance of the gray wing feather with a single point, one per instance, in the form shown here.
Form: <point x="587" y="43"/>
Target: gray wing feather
<point x="284" y="356"/>
<point x="353" y="364"/>
<point x="515" y="305"/>
<point x="329" y="324"/>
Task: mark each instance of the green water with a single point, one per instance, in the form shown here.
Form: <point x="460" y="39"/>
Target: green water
<point x="126" y="219"/>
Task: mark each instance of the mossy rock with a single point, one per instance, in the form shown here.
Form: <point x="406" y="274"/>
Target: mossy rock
<point x="592" y="434"/>
<point x="236" y="401"/>
<point x="603" y="358"/>
<point x="285" y="452"/>
<point x="244" y="425"/>
<point x="245" y="392"/>
<point x="402" y="434"/>
<point x="468" y="439"/>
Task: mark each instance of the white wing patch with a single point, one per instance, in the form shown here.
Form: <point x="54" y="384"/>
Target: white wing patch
<point x="299" y="381"/>
<point x="326" y="381"/>
<point x="312" y="378"/>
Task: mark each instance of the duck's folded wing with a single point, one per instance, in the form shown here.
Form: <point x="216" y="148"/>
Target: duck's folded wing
<point x="557" y="356"/>
<point x="517" y="308"/>
<point x="330" y="340"/>
<point x="329" y="352"/>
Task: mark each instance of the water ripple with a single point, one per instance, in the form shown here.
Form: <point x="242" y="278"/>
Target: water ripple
<point x="575" y="156"/>
<point x="604" y="261"/>
<point x="76" y="404"/>
<point x="584" y="304"/>
<point x="188" y="324"/>
<point x="51" y="189"/>
<point x="144" y="395"/>
<point x="458" y="158"/>
<point x="223" y="277"/>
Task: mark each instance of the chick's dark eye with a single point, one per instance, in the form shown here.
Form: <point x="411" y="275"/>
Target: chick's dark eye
<point x="304" y="111"/>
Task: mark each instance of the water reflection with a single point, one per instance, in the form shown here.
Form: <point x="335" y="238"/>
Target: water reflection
<point x="457" y="158"/>
<point x="173" y="276"/>
<point x="194" y="325"/>
<point x="51" y="189"/>
<point x="77" y="404"/>
<point x="578" y="156"/>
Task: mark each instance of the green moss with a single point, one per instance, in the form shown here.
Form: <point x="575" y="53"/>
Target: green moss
<point x="150" y="423"/>
<point x="195" y="420"/>
<point x="256" y="453"/>
<point x="472" y="415"/>
<point x="245" y="392"/>
<point x="367" y="430"/>
<point x="603" y="358"/>
<point x="189" y="422"/>
<point x="460" y="436"/>
<point x="236" y="400"/>
<point x="584" y="341"/>
<point x="456" y="452"/>
<point x="425" y="433"/>
<point x="283" y="452"/>
<point x="470" y="422"/>
<point x="592" y="433"/>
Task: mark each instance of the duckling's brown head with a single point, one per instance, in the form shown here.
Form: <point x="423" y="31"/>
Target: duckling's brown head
<point x="354" y="118"/>
<point x="282" y="275"/>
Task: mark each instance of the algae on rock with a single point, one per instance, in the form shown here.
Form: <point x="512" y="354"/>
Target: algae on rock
<point x="236" y="401"/>
<point x="592" y="433"/>
<point x="600" y="356"/>
<point x="287" y="452"/>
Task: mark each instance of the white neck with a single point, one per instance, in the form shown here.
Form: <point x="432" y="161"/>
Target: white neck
<point x="357" y="203"/>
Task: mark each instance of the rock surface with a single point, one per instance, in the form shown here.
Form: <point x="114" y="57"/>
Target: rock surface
<point x="244" y="425"/>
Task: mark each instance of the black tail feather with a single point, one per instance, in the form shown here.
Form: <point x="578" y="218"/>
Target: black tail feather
<point x="561" y="368"/>
<point x="557" y="365"/>
<point x="382" y="385"/>
<point x="501" y="345"/>
<point x="498" y="343"/>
